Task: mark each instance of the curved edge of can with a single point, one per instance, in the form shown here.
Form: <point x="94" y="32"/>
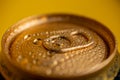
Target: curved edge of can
<point x="103" y="64"/>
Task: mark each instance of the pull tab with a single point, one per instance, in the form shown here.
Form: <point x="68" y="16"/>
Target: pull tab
<point x="76" y="39"/>
<point x="57" y="43"/>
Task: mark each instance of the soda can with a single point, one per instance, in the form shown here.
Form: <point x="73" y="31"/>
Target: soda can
<point x="59" y="47"/>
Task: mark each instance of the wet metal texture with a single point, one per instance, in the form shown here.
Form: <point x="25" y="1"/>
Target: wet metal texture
<point x="62" y="52"/>
<point x="59" y="47"/>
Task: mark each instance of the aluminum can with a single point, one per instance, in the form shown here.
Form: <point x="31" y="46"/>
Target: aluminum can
<point x="59" y="47"/>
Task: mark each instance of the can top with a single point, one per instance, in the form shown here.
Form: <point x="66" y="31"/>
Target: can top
<point x="58" y="45"/>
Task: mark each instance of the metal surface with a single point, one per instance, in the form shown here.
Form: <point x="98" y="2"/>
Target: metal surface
<point x="59" y="47"/>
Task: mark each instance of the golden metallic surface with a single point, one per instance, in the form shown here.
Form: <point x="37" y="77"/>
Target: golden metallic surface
<point x="48" y="45"/>
<point x="59" y="47"/>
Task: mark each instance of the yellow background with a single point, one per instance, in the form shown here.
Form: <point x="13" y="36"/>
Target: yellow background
<point x="104" y="11"/>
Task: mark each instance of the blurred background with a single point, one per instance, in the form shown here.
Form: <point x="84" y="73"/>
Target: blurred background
<point x="105" y="11"/>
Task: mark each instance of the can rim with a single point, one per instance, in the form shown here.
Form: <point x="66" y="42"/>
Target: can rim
<point x="91" y="71"/>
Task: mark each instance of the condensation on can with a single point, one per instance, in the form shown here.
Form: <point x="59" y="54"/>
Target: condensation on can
<point x="59" y="47"/>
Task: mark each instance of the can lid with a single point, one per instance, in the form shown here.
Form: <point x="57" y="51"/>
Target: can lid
<point x="56" y="45"/>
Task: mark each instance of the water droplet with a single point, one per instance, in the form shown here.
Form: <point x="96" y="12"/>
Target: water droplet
<point x="27" y="37"/>
<point x="53" y="41"/>
<point x="34" y="34"/>
<point x="19" y="58"/>
<point x="67" y="57"/>
<point x="55" y="63"/>
<point x="37" y="34"/>
<point x="46" y="32"/>
<point x="39" y="54"/>
<point x="30" y="53"/>
<point x="72" y="55"/>
<point x="34" y="62"/>
<point x="49" y="71"/>
<point x="48" y="53"/>
<point x="37" y="41"/>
